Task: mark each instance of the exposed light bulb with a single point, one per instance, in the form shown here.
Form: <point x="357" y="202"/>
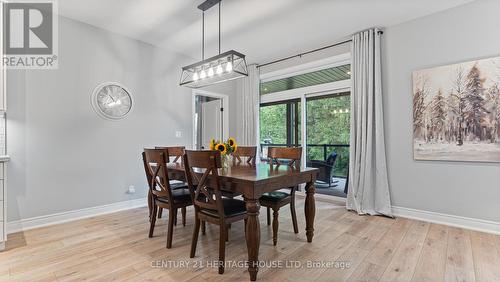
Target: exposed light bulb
<point x="203" y="74"/>
<point x="210" y="72"/>
<point x="219" y="69"/>
<point x="348" y="72"/>
<point x="346" y="110"/>
<point x="118" y="102"/>
<point x="340" y="111"/>
<point x="195" y="76"/>
<point x="334" y="111"/>
<point x="229" y="66"/>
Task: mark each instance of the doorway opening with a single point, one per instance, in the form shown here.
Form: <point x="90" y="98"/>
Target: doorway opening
<point x="210" y="118"/>
<point x="309" y="106"/>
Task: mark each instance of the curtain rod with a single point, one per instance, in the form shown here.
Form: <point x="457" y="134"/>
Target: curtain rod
<point x="309" y="52"/>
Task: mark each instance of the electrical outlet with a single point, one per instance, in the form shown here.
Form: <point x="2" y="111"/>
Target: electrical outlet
<point x="131" y="189"/>
<point x="178" y="134"/>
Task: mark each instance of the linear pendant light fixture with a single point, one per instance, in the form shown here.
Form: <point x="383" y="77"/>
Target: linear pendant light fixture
<point x="223" y="67"/>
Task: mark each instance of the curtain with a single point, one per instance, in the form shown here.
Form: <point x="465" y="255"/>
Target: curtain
<point x="250" y="107"/>
<point x="368" y="190"/>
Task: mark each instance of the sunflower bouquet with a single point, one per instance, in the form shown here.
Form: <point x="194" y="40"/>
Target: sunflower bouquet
<point x="225" y="148"/>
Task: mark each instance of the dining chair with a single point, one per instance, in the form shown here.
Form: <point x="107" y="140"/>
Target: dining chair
<point x="277" y="199"/>
<point x="176" y="152"/>
<point x="248" y="152"/>
<point x="155" y="162"/>
<point x="209" y="204"/>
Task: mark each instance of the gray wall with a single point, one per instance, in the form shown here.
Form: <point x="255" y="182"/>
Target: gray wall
<point x="463" y="189"/>
<point x="65" y="157"/>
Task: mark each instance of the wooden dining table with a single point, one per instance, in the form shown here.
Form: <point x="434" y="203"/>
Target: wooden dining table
<point x="251" y="181"/>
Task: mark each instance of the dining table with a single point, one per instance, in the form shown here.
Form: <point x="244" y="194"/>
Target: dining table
<point x="253" y="180"/>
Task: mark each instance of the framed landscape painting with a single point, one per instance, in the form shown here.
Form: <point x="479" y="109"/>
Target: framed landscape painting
<point x="456" y="112"/>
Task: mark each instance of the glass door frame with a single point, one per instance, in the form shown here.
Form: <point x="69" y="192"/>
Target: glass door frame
<point x="291" y="131"/>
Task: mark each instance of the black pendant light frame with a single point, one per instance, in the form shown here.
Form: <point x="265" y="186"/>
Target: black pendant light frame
<point x="234" y="63"/>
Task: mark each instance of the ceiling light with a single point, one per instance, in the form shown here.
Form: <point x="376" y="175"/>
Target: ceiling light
<point x="229" y="67"/>
<point x="219" y="69"/>
<point x="234" y="62"/>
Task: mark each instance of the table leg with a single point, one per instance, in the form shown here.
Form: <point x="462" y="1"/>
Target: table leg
<point x="253" y="236"/>
<point x="310" y="210"/>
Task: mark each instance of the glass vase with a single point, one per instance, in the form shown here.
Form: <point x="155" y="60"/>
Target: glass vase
<point x="226" y="161"/>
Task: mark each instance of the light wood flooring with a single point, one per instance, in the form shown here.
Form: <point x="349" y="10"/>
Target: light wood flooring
<point x="116" y="247"/>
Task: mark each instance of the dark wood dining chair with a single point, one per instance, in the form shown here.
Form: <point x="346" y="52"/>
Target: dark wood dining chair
<point x="163" y="196"/>
<point x="209" y="204"/>
<point x="277" y="199"/>
<point x="248" y="152"/>
<point x="175" y="152"/>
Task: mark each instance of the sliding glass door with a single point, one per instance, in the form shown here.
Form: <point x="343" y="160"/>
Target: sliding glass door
<point x="327" y="140"/>
<point x="310" y="108"/>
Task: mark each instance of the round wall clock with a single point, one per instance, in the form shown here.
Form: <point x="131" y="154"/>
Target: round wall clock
<point x="111" y="100"/>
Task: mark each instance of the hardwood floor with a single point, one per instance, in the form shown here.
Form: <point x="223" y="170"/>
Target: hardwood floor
<point x="116" y="247"/>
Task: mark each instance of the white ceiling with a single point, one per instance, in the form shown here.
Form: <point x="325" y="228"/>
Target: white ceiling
<point x="262" y="29"/>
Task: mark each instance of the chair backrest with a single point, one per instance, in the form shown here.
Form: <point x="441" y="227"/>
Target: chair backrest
<point x="207" y="194"/>
<point x="331" y="159"/>
<point x="294" y="155"/>
<point x="248" y="152"/>
<point x="174" y="151"/>
<point x="155" y="164"/>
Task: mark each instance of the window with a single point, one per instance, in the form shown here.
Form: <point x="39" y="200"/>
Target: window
<point x="280" y="124"/>
<point x="307" y="79"/>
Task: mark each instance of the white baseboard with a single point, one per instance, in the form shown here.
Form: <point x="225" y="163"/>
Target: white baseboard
<point x="448" y="219"/>
<point x="434" y="217"/>
<point x="51" y="219"/>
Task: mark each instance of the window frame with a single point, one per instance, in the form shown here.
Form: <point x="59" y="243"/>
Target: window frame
<point x="291" y="132"/>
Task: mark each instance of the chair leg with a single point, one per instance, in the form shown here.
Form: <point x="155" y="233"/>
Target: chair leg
<point x="194" y="241"/>
<point x="222" y="248"/>
<point x="171" y="218"/>
<point x="160" y="211"/>
<point x="294" y="217"/>
<point x="268" y="216"/>
<point x="275" y="226"/>
<point x="183" y="210"/>
<point x="227" y="232"/>
<point x="203" y="228"/>
<point x="153" y="220"/>
<point x="175" y="217"/>
<point x="246" y="220"/>
<point x="150" y="204"/>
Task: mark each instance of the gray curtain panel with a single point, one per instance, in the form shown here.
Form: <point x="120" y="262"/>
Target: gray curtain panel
<point x="368" y="191"/>
<point x="250" y="103"/>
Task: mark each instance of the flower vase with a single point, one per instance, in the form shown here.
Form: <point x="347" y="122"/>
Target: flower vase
<point x="226" y="161"/>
